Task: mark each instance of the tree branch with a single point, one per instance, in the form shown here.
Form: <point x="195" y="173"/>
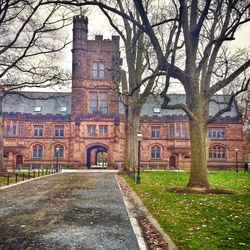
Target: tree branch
<point x="230" y="102"/>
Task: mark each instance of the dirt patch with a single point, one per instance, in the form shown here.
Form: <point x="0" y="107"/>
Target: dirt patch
<point x="199" y="191"/>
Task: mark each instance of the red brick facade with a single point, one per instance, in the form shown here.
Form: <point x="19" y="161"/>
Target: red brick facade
<point x="95" y="126"/>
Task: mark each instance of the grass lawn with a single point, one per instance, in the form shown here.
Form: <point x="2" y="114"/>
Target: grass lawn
<point x="199" y="221"/>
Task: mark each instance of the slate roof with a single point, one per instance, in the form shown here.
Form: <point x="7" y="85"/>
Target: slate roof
<point x="156" y="102"/>
<point x="51" y="103"/>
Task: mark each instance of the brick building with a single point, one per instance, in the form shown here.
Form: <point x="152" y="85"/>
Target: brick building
<point x="87" y="125"/>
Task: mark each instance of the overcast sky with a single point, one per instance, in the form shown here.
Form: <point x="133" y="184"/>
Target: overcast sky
<point x="98" y="25"/>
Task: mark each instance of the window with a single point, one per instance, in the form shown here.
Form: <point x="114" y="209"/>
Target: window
<point x="103" y="103"/>
<point x="63" y="109"/>
<point x="95" y="70"/>
<point x="38" y="109"/>
<point x="93" y="104"/>
<point x="157" y="110"/>
<point x="59" y="130"/>
<point x="98" y="70"/>
<point x="101" y="72"/>
<point x="155" y="152"/>
<point x="14" y="130"/>
<point x="38" y="130"/>
<point x="155" y="132"/>
<point x="21" y="129"/>
<point x="216" y="133"/>
<point x="183" y="132"/>
<point x="98" y="102"/>
<point x="8" y="130"/>
<point x="171" y="131"/>
<point x="59" y="151"/>
<point x="103" y="129"/>
<point x="92" y="130"/>
<point x="217" y="152"/>
<point x="177" y="132"/>
<point x="37" y="151"/>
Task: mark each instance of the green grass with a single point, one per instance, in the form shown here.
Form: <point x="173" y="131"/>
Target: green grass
<point x="195" y="221"/>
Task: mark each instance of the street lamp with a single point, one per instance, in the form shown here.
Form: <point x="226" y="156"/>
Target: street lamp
<point x="236" y="159"/>
<point x="57" y="156"/>
<point x="139" y="139"/>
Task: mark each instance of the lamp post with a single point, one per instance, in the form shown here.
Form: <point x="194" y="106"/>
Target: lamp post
<point x="57" y="156"/>
<point x="236" y="159"/>
<point x="139" y="139"/>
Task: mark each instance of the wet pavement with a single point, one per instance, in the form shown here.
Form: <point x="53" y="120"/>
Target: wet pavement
<point x="66" y="211"/>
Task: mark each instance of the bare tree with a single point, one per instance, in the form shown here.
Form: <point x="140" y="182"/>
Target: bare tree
<point x="205" y="27"/>
<point x="29" y="42"/>
<point x="138" y="64"/>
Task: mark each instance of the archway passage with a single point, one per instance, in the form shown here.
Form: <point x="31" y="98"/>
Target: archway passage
<point x="172" y="161"/>
<point x="95" y="153"/>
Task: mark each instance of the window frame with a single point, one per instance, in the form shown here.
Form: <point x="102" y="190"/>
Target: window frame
<point x="155" y="152"/>
<point x="103" y="102"/>
<point x="103" y="133"/>
<point x="39" y="129"/>
<point x="7" y="130"/>
<point x="216" y="133"/>
<point x="155" y="132"/>
<point x="59" y="130"/>
<point x="39" y="151"/>
<point x="61" y="151"/>
<point x="21" y="129"/>
<point x="38" y="109"/>
<point x="91" y="133"/>
<point x="215" y="151"/>
<point x="93" y="102"/>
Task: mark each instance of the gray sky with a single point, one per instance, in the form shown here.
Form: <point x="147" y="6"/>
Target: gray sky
<point x="98" y="24"/>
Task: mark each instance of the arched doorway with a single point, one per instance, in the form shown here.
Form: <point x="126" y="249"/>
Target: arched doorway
<point x="172" y="161"/>
<point x="95" y="154"/>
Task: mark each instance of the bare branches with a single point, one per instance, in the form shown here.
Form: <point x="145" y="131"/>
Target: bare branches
<point x="181" y="106"/>
<point x="29" y="42"/>
<point x="221" y="84"/>
<point x="228" y="107"/>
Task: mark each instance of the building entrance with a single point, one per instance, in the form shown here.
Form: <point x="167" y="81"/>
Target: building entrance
<point x="97" y="155"/>
<point x="172" y="161"/>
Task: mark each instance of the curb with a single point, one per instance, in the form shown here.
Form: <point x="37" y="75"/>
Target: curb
<point x="132" y="218"/>
<point x="149" y="217"/>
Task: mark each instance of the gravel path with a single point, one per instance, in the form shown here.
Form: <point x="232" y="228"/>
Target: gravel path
<point x="65" y="211"/>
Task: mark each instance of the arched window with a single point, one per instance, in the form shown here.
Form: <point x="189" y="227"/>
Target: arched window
<point x="155" y="152"/>
<point x="37" y="151"/>
<point x="217" y="152"/>
<point x="58" y="151"/>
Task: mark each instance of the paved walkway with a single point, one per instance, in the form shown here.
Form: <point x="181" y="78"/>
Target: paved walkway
<point x="65" y="211"/>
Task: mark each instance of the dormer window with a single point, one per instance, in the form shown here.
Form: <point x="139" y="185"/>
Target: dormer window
<point x="38" y="109"/>
<point x="157" y="110"/>
<point x="63" y="109"/>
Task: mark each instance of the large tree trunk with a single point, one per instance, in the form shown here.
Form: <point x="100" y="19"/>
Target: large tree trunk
<point x="2" y="167"/>
<point x="198" y="135"/>
<point x="132" y="127"/>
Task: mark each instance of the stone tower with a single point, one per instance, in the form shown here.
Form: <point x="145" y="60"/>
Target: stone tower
<point x="95" y="69"/>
